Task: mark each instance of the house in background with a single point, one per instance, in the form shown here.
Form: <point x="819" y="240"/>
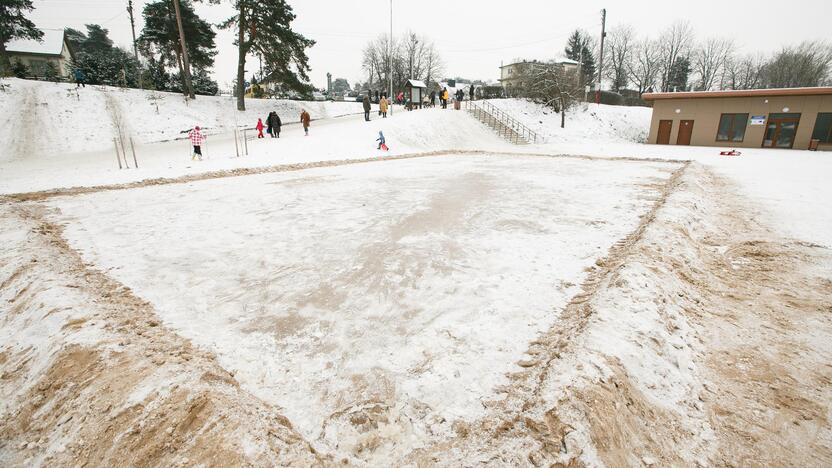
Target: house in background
<point x="35" y="55"/>
<point x="512" y="74"/>
<point x="799" y="118"/>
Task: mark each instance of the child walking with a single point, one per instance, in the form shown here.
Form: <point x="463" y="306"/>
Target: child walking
<point x="197" y="139"/>
<point x="259" y="128"/>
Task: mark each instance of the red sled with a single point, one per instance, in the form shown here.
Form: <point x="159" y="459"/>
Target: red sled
<point x="384" y="147"/>
<point x="730" y="153"/>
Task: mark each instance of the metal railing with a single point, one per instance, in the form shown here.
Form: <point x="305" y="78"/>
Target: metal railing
<point x="506" y="126"/>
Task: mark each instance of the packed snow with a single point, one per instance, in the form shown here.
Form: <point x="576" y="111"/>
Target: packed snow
<point x="417" y="282"/>
<point x="478" y="300"/>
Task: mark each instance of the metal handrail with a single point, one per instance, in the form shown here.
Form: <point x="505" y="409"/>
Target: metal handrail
<point x="505" y="119"/>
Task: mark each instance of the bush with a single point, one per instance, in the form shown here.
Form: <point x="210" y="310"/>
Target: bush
<point x="611" y="98"/>
<point x="20" y="70"/>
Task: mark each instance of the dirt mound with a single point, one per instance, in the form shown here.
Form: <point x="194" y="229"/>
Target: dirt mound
<point x="142" y="396"/>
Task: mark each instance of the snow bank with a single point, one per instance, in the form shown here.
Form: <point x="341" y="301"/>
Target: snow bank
<point x="584" y="123"/>
<point x="55" y="118"/>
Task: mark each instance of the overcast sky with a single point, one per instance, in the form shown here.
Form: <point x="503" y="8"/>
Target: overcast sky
<point x="473" y="36"/>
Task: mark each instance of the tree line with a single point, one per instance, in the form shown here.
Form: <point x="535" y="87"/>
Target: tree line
<point x="675" y="60"/>
<point x="410" y="56"/>
<point x="262" y="27"/>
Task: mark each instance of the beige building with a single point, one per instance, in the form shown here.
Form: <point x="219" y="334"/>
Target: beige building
<point x="53" y="49"/>
<point x="797" y="118"/>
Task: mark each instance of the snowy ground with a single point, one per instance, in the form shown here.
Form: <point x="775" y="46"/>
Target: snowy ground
<point x="417" y="282"/>
<point x="624" y="305"/>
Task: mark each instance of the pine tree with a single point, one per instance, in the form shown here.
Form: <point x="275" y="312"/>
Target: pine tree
<point x="160" y="36"/>
<point x="264" y="27"/>
<point x="677" y="79"/>
<point x="100" y="62"/>
<point x="579" y="49"/>
<point x="14" y="25"/>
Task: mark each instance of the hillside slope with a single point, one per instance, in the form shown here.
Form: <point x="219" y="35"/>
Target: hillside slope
<point x="43" y="118"/>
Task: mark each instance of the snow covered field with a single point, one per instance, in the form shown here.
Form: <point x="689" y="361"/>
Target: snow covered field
<point x="591" y="300"/>
<point x="415" y="285"/>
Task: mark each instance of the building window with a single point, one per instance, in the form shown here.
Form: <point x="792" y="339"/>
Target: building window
<point x="823" y="128"/>
<point x="732" y="127"/>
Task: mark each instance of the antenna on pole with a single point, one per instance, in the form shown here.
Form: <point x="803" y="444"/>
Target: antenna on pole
<point x="135" y="48"/>
<point x="601" y="56"/>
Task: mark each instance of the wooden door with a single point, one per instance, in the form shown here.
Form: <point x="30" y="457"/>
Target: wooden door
<point x="665" y="126"/>
<point x="685" y="132"/>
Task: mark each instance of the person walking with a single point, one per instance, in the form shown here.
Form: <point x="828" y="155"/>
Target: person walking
<point x="197" y="139"/>
<point x="260" y="128"/>
<point x="274" y="124"/>
<point x="269" y="125"/>
<point x="367" y="108"/>
<point x="305" y="119"/>
<point x="471" y="93"/>
<point x="433" y="98"/>
<point x="445" y="98"/>
<point x="382" y="107"/>
<point x="80" y="78"/>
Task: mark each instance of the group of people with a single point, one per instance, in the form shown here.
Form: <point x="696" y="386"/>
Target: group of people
<point x="383" y="106"/>
<point x="272" y="126"/>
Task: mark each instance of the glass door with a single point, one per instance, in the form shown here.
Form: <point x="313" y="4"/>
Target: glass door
<point x="781" y="130"/>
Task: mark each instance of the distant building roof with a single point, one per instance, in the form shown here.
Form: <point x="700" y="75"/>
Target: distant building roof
<point x="51" y="44"/>
<point x="740" y="93"/>
<point x="559" y="61"/>
<point x="417" y="84"/>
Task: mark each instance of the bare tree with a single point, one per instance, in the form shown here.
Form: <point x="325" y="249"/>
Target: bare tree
<point x="744" y="72"/>
<point x="644" y="65"/>
<point x="412" y="56"/>
<point x="805" y="65"/>
<point x="709" y="60"/>
<point x="621" y="42"/>
<point x="552" y="85"/>
<point x="674" y="43"/>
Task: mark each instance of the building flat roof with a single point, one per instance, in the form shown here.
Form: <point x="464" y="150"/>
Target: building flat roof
<point x="826" y="90"/>
<point x="51" y="44"/>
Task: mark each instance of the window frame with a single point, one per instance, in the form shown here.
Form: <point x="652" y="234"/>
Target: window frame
<point x="732" y="127"/>
<point x="828" y="137"/>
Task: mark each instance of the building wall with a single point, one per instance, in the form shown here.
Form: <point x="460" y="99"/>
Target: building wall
<point x="706" y="112"/>
<point x="34" y="61"/>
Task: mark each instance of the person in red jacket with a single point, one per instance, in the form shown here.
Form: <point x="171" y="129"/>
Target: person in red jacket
<point x="197" y="138"/>
<point x="260" y="128"/>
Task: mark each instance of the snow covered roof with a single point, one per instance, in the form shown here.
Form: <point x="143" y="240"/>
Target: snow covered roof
<point x="417" y="84"/>
<point x="51" y="44"/>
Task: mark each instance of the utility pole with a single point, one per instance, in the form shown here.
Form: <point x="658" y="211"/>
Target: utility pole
<point x="390" y="59"/>
<point x="185" y="63"/>
<point x="135" y="48"/>
<point x="601" y="56"/>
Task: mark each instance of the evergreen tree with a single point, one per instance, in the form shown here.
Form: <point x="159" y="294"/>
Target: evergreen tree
<point x="264" y="27"/>
<point x="13" y="25"/>
<point x="200" y="80"/>
<point x="101" y="62"/>
<point x="160" y="36"/>
<point x="677" y="79"/>
<point x="579" y="49"/>
<point x="75" y="39"/>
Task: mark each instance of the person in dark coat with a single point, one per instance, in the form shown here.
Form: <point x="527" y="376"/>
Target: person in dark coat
<point x="275" y="124"/>
<point x="433" y="98"/>
<point x="367" y="108"/>
<point x="471" y="95"/>
<point x="80" y="78"/>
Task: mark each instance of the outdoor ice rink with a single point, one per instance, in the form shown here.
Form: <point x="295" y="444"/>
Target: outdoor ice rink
<point x="412" y="286"/>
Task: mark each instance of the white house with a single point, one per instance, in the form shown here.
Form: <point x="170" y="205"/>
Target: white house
<point x="53" y="48"/>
